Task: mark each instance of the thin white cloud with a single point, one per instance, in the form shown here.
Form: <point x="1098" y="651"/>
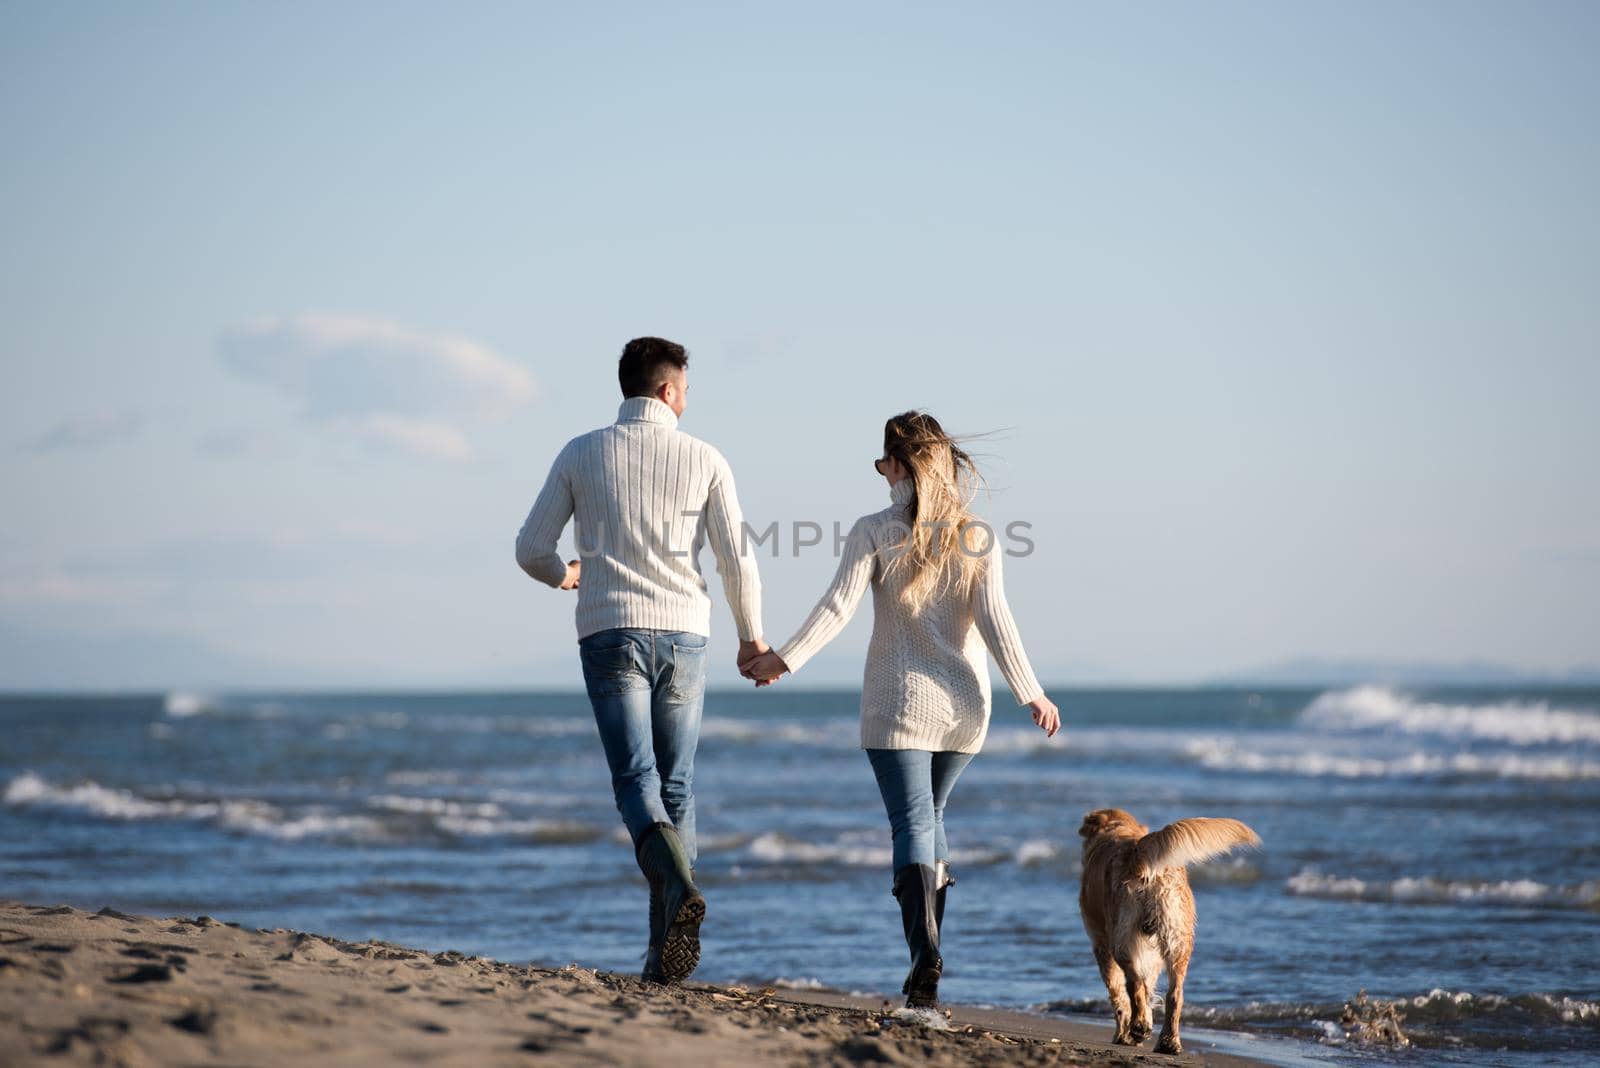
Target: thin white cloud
<point x="425" y="437"/>
<point x="88" y="431"/>
<point x="55" y="587"/>
<point x="386" y="383"/>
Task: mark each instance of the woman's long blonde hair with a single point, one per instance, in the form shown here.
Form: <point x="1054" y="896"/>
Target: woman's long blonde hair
<point x="944" y="482"/>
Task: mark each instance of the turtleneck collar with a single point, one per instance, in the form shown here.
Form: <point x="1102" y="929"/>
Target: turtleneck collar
<point x="903" y="491"/>
<point x="646" y="410"/>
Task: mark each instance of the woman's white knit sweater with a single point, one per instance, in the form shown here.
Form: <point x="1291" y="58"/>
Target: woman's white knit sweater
<point x="646" y="497"/>
<point x="926" y="684"/>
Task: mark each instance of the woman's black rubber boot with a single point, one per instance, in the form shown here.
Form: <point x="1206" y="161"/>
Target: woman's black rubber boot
<point x="942" y="880"/>
<point x="916" y="885"/>
<point x="677" y="907"/>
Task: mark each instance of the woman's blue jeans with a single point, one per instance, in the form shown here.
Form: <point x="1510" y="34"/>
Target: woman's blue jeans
<point x="647" y="688"/>
<point x="915" y="785"/>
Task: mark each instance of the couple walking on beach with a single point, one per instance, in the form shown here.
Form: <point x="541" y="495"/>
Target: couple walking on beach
<point x="646" y="498"/>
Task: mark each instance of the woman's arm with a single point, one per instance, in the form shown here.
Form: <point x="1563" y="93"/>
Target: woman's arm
<point x="838" y="604"/>
<point x="999" y="630"/>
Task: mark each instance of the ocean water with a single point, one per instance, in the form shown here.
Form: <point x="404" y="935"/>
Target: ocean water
<point x="1437" y="847"/>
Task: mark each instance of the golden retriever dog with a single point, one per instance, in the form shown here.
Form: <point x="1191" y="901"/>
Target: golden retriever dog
<point x="1139" y="910"/>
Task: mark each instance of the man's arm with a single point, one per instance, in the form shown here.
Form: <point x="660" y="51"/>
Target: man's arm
<point x="536" y="542"/>
<point x="740" y="579"/>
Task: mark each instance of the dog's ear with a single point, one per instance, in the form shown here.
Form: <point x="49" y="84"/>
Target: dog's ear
<point x="1091" y="824"/>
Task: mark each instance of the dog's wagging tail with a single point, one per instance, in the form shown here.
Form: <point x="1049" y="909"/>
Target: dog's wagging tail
<point x="1190" y="841"/>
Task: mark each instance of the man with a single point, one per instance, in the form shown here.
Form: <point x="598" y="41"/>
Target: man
<point x="646" y="497"/>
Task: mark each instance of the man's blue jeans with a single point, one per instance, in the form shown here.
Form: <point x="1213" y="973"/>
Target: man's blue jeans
<point x="915" y="785"/>
<point x="647" y="688"/>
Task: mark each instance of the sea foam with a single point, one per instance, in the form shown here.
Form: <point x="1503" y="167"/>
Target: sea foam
<point x="1310" y="882"/>
<point x="1226" y="754"/>
<point x="1367" y="708"/>
<point x="180" y="704"/>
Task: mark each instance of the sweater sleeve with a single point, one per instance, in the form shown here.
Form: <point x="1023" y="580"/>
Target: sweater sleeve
<point x="999" y="631"/>
<point x="838" y="603"/>
<point x="536" y="542"/>
<point x="736" y="562"/>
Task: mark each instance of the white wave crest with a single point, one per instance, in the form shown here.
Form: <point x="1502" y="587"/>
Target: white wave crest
<point x="185" y="704"/>
<point x="777" y="848"/>
<point x="1368" y="708"/>
<point x="89" y="796"/>
<point x="1036" y="851"/>
<point x="1446" y="1006"/>
<point x="180" y="704"/>
<point x="534" y="830"/>
<point x="1223" y="754"/>
<point x="1228" y="871"/>
<point x="394" y="720"/>
<point x="853" y="849"/>
<point x="435" y="806"/>
<point x="1430" y="890"/>
<point x="1021" y="741"/>
<point x="257" y="817"/>
<point x="440" y="777"/>
<point x="246" y="815"/>
<point x="826" y="734"/>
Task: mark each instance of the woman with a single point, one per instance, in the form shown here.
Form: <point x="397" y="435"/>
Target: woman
<point x="937" y="601"/>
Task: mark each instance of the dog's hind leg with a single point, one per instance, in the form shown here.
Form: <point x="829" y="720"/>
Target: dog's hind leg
<point x="1111" y="975"/>
<point x="1177" y="968"/>
<point x="1138" y="985"/>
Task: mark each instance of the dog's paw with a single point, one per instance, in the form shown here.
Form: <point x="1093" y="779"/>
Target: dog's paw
<point x="1138" y="1033"/>
<point x="1124" y="1039"/>
<point x="1169" y="1044"/>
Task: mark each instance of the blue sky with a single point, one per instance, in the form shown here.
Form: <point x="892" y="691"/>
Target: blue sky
<point x="1287" y="315"/>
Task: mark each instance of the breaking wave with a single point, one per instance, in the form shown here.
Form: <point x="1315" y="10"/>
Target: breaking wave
<point x="1521" y="723"/>
<point x="181" y="704"/>
<point x="1428" y="890"/>
<point x="1371" y="732"/>
<point x="246" y="815"/>
<point x="185" y="704"/>
<point x="1438" y="1019"/>
<point x="385" y="818"/>
<point x="1220" y="754"/>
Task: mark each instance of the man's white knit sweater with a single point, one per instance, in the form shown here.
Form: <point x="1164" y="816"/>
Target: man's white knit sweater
<point x="926" y="684"/>
<point x="646" y="497"/>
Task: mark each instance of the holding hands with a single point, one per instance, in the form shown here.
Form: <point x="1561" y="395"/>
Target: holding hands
<point x="758" y="662"/>
<point x="764" y="669"/>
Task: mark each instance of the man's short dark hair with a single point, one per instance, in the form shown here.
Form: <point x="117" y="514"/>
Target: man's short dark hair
<point x="646" y="362"/>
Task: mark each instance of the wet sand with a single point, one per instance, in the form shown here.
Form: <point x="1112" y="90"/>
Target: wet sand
<point x="107" y="988"/>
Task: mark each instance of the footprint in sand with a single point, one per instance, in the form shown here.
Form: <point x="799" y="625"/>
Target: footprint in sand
<point x="93" y="1031"/>
<point x="145" y="973"/>
<point x="196" y="1021"/>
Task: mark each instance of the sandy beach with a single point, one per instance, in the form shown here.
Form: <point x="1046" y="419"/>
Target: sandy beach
<point x="108" y="988"/>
